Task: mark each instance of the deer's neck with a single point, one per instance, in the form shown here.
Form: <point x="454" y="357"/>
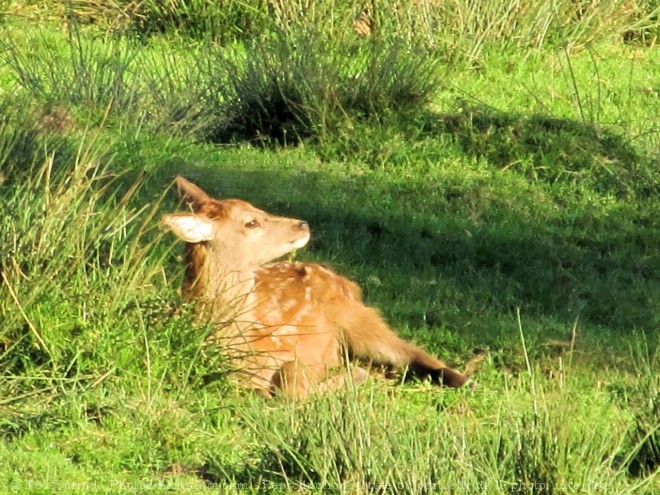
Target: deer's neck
<point x="220" y="282"/>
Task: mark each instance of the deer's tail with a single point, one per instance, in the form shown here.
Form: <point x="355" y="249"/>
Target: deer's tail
<point x="368" y="337"/>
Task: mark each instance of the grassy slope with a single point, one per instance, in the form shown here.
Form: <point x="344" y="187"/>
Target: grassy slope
<point x="503" y="200"/>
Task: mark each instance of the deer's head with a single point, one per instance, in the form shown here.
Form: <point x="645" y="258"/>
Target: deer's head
<point x="235" y="229"/>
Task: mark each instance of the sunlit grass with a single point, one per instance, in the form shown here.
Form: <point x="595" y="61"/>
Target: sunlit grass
<point x="515" y="219"/>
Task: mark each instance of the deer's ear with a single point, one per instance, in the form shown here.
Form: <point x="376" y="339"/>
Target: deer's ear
<point x="189" y="192"/>
<point x="190" y="227"/>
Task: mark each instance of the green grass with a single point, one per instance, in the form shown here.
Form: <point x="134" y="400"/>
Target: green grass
<point x="514" y="215"/>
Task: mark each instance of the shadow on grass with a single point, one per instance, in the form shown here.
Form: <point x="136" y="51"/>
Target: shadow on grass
<point x="600" y="267"/>
<point x="550" y="149"/>
<point x="538" y="147"/>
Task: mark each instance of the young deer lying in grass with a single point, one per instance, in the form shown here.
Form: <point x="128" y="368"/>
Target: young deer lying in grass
<point x="286" y="324"/>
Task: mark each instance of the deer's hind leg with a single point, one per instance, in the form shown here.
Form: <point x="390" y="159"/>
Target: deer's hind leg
<point x="292" y="380"/>
<point x="295" y="380"/>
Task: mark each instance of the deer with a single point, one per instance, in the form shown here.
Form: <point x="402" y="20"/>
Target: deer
<point x="290" y="328"/>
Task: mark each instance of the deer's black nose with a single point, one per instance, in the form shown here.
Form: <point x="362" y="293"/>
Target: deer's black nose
<point x="303" y="225"/>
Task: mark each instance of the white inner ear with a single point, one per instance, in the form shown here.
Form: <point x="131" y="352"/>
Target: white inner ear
<point x="190" y="228"/>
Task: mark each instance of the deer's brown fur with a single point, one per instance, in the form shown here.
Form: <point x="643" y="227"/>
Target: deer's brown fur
<point x="285" y="324"/>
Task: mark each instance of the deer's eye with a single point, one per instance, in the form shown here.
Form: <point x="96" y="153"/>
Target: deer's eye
<point x="251" y="224"/>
